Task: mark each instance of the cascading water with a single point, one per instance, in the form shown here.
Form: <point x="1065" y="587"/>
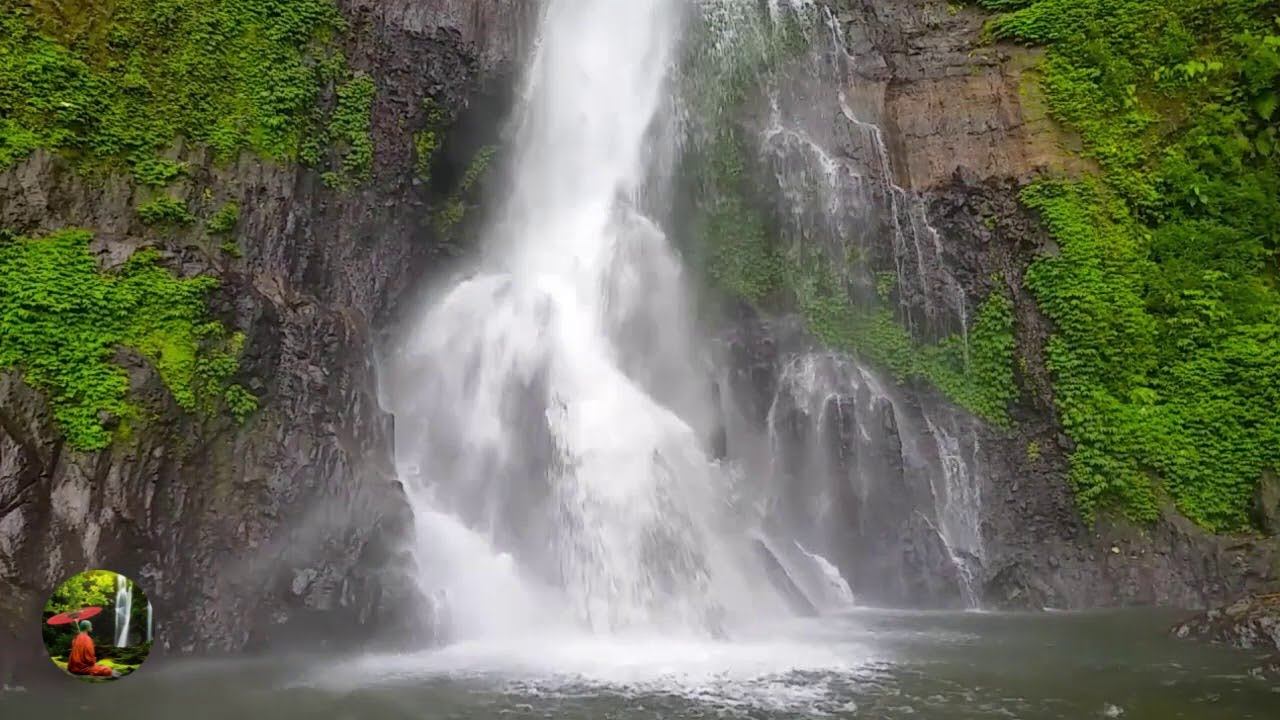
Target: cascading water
<point x="552" y="409"/>
<point x="124" y="607"/>
<point x="875" y="477"/>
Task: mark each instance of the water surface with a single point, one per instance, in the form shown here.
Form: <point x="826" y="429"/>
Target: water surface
<point x="864" y="664"/>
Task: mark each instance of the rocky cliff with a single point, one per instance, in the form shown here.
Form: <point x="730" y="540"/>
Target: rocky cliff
<point x="898" y="146"/>
<point x="288" y="526"/>
<point x="896" y="143"/>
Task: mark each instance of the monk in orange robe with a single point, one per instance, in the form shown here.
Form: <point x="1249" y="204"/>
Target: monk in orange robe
<point x="82" y="660"/>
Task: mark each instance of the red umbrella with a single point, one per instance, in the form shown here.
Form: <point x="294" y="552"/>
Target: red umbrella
<point x="67" y="618"/>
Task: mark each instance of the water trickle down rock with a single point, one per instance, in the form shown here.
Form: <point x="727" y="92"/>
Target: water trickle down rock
<point x="821" y="138"/>
<point x="885" y="481"/>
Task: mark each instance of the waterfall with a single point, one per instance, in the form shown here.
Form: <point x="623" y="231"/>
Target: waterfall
<point x="148" y="621"/>
<point x="553" y="407"/>
<point x="958" y="504"/>
<point x="880" y="493"/>
<point x="124" y="606"/>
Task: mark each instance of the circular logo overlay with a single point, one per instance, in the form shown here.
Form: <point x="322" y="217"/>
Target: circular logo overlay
<point x="97" y="626"/>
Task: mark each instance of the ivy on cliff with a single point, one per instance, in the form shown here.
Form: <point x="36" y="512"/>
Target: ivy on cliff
<point x="975" y="372"/>
<point x="1166" y="359"/>
<point x="111" y="83"/>
<point x="64" y="321"/>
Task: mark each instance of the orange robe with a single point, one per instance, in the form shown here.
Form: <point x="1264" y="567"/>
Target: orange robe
<point x="82" y="660"/>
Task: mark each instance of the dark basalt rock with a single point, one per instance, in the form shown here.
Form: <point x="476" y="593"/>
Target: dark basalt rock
<point x="289" y="529"/>
<point x="1252" y="623"/>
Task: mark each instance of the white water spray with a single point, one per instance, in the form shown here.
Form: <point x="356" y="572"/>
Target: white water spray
<point x="551" y="408"/>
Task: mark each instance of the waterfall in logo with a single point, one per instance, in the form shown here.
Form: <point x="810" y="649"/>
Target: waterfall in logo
<point x="124" y="606"/>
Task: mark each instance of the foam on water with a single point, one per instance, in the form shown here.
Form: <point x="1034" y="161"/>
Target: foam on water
<point x="795" y="674"/>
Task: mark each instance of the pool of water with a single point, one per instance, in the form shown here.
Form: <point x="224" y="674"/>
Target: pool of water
<point x="872" y="664"/>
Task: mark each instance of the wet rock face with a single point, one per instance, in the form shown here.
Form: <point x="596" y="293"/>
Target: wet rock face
<point x="1252" y="623"/>
<point x="946" y="101"/>
<point x="901" y="140"/>
<point x="290" y="527"/>
<point x="846" y="465"/>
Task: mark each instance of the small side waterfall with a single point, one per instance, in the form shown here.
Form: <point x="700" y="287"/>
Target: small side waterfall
<point x="958" y="502"/>
<point x="148" y="621"/>
<point x="880" y="494"/>
<point x="837" y="189"/>
<point x="881" y="479"/>
<point x="124" y="608"/>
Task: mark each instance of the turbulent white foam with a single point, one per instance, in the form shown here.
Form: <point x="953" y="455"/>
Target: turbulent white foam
<point x="795" y="674"/>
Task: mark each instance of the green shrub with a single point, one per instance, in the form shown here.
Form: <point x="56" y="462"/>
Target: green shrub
<point x="349" y="130"/>
<point x="977" y="374"/>
<point x="455" y="207"/>
<point x="64" y="320"/>
<point x="165" y="210"/>
<point x="157" y="172"/>
<point x="224" y="221"/>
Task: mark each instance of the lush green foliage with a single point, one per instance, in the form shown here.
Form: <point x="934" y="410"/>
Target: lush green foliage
<point x="164" y="209"/>
<point x="116" y="81"/>
<point x="349" y="132"/>
<point x="157" y="172"/>
<point x="225" y="219"/>
<point x="64" y="320"/>
<point x="96" y="588"/>
<point x="975" y="372"/>
<point x="1166" y="358"/>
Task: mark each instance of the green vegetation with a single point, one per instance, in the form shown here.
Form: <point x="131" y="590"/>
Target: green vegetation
<point x="1166" y="359"/>
<point x="157" y="172"/>
<point x="455" y="208"/>
<point x="64" y="321"/>
<point x="225" y="219"/>
<point x="90" y="588"/>
<point x="977" y="375"/>
<point x="113" y="86"/>
<point x="427" y="141"/>
<point x="165" y="210"/>
<point x="349" y="132"/>
<point x="111" y="83"/>
<point x="740" y="255"/>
